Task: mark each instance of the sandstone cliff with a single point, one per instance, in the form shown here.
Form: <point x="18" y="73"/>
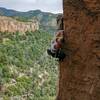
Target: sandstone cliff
<point x="79" y="77"/>
<point x="11" y="25"/>
<point x="47" y="21"/>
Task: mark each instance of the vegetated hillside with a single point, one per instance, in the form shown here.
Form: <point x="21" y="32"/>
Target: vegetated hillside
<point x="26" y="71"/>
<point x="8" y="24"/>
<point x="47" y="20"/>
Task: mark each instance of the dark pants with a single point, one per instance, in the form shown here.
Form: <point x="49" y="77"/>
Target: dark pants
<point x="58" y="54"/>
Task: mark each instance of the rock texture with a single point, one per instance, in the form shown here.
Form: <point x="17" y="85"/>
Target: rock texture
<point x="11" y="25"/>
<point x="79" y="77"/>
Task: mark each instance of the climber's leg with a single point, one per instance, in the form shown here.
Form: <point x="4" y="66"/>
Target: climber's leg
<point x="61" y="55"/>
<point x="50" y="53"/>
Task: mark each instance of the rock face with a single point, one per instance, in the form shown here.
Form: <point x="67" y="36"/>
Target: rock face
<point x="11" y="25"/>
<point x="79" y="77"/>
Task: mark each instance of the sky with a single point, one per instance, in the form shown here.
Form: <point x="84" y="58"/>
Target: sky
<point x="54" y="6"/>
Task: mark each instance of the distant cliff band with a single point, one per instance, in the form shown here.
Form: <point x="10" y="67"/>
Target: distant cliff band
<point x="11" y="25"/>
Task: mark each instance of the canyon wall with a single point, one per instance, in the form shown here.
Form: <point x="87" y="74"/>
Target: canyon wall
<point x="79" y="76"/>
<point x="11" y="25"/>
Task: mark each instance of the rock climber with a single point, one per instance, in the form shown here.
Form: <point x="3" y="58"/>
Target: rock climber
<point x="56" y="50"/>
